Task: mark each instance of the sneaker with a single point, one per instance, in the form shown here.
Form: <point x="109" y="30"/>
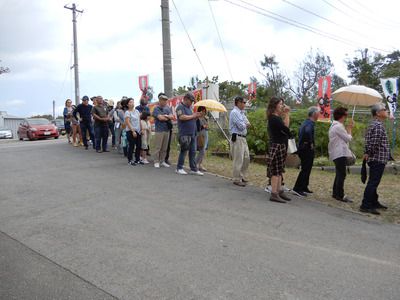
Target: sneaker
<point x="165" y="165"/>
<point x="157" y="165"/>
<point x="198" y="173"/>
<point x="131" y="163"/>
<point x="145" y="161"/>
<point x="86" y="147"/>
<point x="369" y="210"/>
<point x="181" y="172"/>
<point x="139" y="162"/>
<point x="239" y="183"/>
<point x="75" y="145"/>
<point x="283" y="196"/>
<point x="268" y="189"/>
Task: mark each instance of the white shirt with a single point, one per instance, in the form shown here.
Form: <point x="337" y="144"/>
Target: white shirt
<point x="338" y="141"/>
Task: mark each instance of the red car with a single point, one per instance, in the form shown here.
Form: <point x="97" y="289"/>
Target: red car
<point x="37" y="129"/>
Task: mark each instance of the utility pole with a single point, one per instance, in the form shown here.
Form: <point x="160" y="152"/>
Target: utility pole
<point x="166" y="36"/>
<point x="75" y="66"/>
<point x="54" y="109"/>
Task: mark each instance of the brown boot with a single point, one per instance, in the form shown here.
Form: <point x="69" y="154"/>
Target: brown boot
<point x="284" y="196"/>
<point x="275" y="198"/>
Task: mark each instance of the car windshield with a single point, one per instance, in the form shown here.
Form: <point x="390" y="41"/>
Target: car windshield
<point x="38" y="121"/>
<point x="4" y="129"/>
<point x="59" y="122"/>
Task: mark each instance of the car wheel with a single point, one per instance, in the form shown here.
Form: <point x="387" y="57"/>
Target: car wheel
<point x="56" y="137"/>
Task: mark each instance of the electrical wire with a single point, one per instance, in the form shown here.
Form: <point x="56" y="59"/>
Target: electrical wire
<point x="220" y="40"/>
<point x="297" y="24"/>
<point x="190" y="40"/>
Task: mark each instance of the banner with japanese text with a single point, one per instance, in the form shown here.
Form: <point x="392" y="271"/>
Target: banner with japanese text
<point x="390" y="87"/>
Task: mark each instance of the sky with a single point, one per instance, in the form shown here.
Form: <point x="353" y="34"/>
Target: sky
<point x="122" y="39"/>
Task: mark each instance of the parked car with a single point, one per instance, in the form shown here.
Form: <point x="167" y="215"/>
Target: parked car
<point x="60" y="125"/>
<point x="37" y="129"/>
<point x="6" y="133"/>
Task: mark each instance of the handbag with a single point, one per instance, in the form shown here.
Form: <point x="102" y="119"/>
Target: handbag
<point x="200" y="141"/>
<point x="351" y="160"/>
<point x="292" y="148"/>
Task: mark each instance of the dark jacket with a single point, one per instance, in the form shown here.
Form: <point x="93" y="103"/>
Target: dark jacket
<point x="85" y="112"/>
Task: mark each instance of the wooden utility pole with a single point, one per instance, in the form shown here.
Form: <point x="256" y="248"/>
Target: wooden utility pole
<point x="166" y="36"/>
<point x="75" y="66"/>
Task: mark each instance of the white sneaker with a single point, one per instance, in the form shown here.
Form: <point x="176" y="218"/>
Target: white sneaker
<point x="157" y="165"/>
<point x="165" y="165"/>
<point x="145" y="161"/>
<point x="181" y="172"/>
<point x="268" y="189"/>
<point x="198" y="173"/>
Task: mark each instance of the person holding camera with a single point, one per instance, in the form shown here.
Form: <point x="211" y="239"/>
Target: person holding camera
<point x="187" y="134"/>
<point x="279" y="133"/>
<point x="163" y="123"/>
<point x="238" y="124"/>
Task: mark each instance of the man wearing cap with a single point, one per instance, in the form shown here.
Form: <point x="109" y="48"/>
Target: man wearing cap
<point x="101" y="118"/>
<point x="238" y="124"/>
<point x="187" y="134"/>
<point x="85" y="117"/>
<point x="163" y="122"/>
<point x="377" y="154"/>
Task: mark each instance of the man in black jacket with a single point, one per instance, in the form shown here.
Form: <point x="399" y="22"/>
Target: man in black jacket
<point x="85" y="120"/>
<point x="306" y="151"/>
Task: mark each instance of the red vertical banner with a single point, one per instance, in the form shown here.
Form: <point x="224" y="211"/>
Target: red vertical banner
<point x="143" y="82"/>
<point x="324" y="97"/>
<point x="198" y="95"/>
<point x="252" y="91"/>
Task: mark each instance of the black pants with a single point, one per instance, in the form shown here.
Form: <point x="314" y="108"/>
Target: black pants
<point x="133" y="145"/>
<point x="169" y="146"/>
<point x="376" y="170"/>
<point x="101" y="137"/>
<point x="87" y="126"/>
<point x="338" y="184"/>
<point x="307" y="161"/>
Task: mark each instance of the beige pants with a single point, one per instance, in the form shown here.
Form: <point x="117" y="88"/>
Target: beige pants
<point x="241" y="158"/>
<point x="160" y="145"/>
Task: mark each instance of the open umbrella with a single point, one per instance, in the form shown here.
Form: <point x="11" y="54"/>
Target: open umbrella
<point x="211" y="105"/>
<point x="357" y="95"/>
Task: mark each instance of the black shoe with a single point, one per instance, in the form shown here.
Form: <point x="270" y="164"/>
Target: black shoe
<point x="86" y="147"/>
<point x="139" y="162"/>
<point x="369" y="210"/>
<point x="380" y="206"/>
<point x="345" y="199"/>
<point x="308" y="191"/>
<point x="301" y="193"/>
<point x="131" y="163"/>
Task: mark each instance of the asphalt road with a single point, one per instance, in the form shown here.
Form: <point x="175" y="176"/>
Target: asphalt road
<point x="80" y="225"/>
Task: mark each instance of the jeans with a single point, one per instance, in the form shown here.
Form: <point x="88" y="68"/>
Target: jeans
<point x="192" y="153"/>
<point x="376" y="170"/>
<point x="202" y="151"/>
<point x="132" y="143"/>
<point x="101" y="137"/>
<point x="303" y="179"/>
<point x="87" y="126"/>
<point x="118" y="135"/>
<point x="338" y="184"/>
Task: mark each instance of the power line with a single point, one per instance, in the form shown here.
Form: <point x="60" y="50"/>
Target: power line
<point x="220" y="40"/>
<point x="190" y="40"/>
<point x="297" y="24"/>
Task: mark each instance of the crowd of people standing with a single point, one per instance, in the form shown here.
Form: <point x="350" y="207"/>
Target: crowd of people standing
<point x="131" y="130"/>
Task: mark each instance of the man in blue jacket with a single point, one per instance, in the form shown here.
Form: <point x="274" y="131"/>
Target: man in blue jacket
<point x="85" y="117"/>
<point x="306" y="151"/>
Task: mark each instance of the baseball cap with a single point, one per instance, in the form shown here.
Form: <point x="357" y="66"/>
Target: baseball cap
<point x="189" y="96"/>
<point x="85" y="98"/>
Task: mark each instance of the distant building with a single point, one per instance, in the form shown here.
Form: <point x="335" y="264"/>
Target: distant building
<point x="10" y="122"/>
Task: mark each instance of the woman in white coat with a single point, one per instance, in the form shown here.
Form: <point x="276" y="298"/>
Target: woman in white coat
<point x="339" y="150"/>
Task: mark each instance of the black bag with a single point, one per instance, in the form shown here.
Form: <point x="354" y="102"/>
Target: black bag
<point x="184" y="141"/>
<point x="169" y="124"/>
<point x="234" y="136"/>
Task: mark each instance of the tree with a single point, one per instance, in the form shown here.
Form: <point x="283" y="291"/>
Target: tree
<point x="314" y="66"/>
<point x="391" y="67"/>
<point x="48" y="117"/>
<point x="4" y="69"/>
<point x="365" y="69"/>
<point x="337" y="82"/>
<point x="275" y="81"/>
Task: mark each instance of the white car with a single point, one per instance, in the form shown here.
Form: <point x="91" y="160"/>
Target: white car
<point x="6" y="133"/>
